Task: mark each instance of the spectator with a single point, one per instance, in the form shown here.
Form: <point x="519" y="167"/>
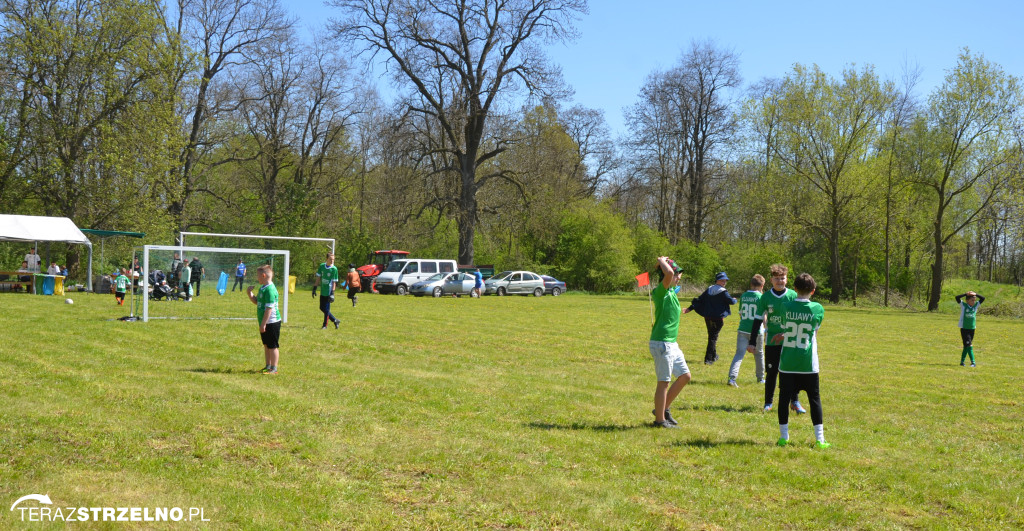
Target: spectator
<point x="713" y="305"/>
<point x="54" y="269"/>
<point x="239" y="275"/>
<point x="136" y="275"/>
<point x="175" y="269"/>
<point x="33" y="260"/>
<point x="24" y="269"/>
<point x="184" y="276"/>
<point x="198" y="273"/>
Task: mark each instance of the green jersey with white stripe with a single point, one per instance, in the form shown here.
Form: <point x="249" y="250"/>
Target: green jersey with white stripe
<point x="969" y="315"/>
<point x="769" y="310"/>
<point x="800" y="320"/>
<point x="748" y="309"/>
<point x="121" y="283"/>
<point x="267" y="299"/>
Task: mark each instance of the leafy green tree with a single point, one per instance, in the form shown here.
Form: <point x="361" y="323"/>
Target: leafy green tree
<point x="964" y="148"/>
<point x="825" y="128"/>
<point x="595" y="249"/>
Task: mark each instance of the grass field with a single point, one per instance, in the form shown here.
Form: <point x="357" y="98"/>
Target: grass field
<point x="499" y="413"/>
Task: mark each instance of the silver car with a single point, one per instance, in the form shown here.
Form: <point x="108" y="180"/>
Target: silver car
<point x="515" y="283"/>
<point x="443" y="284"/>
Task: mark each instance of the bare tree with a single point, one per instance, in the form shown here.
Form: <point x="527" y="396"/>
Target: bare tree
<point x="463" y="60"/>
<point x="219" y="32"/>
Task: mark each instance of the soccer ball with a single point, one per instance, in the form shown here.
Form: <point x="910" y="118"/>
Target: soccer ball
<point x="68" y="301"/>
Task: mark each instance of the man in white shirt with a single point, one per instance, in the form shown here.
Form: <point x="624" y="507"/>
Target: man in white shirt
<point x="33" y="260"/>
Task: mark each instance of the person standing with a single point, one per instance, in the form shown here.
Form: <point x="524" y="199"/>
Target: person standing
<point x="239" y="275"/>
<point x="748" y="310"/>
<point x="269" y="317"/>
<point x="798" y="364"/>
<point x="478" y="283"/>
<point x="714" y="306"/>
<point x="969" y="303"/>
<point x="198" y="274"/>
<point x="770" y="308"/>
<point x="136" y="275"/>
<point x="54" y="269"/>
<point x="184" y="280"/>
<point x="668" y="358"/>
<point x="34" y="261"/>
<point x="353" y="284"/>
<point x="328" y="275"/>
<point x="121" y="286"/>
<point x="175" y="271"/>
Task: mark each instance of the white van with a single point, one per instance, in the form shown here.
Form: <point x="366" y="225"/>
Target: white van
<point x="400" y="274"/>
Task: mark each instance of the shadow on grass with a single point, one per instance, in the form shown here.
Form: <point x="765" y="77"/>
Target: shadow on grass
<point x="584" y="426"/>
<point x="725" y="408"/>
<point x="708" y="443"/>
<point x="219" y="370"/>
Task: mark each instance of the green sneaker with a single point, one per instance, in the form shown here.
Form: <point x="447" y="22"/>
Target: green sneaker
<point x="782" y="442"/>
<point x="823" y="445"/>
<point x="268" y="370"/>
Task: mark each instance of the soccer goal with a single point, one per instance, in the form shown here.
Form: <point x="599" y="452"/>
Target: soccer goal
<point x="163" y="296"/>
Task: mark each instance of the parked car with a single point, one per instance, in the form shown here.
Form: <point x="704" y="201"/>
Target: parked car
<point x="515" y="283"/>
<point x="443" y="284"/>
<point x="400" y="274"/>
<point x="553" y="286"/>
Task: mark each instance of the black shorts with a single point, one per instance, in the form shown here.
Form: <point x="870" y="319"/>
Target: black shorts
<point x="353" y="291"/>
<point x="272" y="335"/>
<point x="119" y="294"/>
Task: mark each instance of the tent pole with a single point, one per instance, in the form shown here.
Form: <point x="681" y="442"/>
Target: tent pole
<point x="89" y="277"/>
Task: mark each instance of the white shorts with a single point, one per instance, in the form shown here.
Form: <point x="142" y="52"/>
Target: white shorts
<point x="668" y="360"/>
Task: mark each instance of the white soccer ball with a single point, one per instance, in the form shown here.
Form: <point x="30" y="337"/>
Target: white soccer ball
<point x="68" y="301"/>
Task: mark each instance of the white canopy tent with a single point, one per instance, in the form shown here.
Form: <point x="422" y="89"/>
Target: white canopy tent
<point x="34" y="229"/>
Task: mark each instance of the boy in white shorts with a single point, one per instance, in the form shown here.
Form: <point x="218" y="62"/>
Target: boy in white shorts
<point x="668" y="358"/>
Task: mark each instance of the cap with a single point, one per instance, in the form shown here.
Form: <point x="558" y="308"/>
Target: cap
<point x="721" y="276"/>
<point x="675" y="267"/>
<point x="353" y="266"/>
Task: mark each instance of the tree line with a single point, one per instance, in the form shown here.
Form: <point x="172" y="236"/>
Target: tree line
<point x="222" y="116"/>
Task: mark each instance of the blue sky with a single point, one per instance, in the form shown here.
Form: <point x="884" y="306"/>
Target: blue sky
<point x="622" y="42"/>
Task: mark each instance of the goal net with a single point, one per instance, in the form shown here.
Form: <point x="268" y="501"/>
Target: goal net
<point x="164" y="295"/>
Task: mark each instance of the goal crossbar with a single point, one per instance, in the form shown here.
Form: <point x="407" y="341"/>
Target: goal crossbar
<point x="256" y="237"/>
<point x="181" y="248"/>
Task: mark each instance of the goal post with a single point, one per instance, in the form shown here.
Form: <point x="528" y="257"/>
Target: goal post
<point x="215" y="260"/>
<point x="181" y="239"/>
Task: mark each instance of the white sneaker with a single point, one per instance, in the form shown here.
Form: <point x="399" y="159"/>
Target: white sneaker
<point x="732" y="383"/>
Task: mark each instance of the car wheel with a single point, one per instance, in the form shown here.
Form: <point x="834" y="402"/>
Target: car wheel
<point x="538" y="292"/>
<point x="555" y="292"/>
<point x="501" y="292"/>
<point x="401" y="289"/>
<point x="437" y="292"/>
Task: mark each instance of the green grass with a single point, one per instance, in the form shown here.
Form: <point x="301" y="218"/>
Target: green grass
<point x="499" y="413"/>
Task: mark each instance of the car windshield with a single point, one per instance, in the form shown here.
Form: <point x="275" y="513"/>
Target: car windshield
<point x="395" y="267"/>
<point x="501" y="276"/>
<point x="438" y="276"/>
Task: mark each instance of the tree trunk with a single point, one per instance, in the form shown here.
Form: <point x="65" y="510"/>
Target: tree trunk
<point x="936" y="291"/>
<point x="467" y="210"/>
<point x="835" y="271"/>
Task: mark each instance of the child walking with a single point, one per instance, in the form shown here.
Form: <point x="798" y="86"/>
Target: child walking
<point x="748" y="312"/>
<point x="798" y="365"/>
<point x="269" y="317"/>
<point x="328" y="275"/>
<point x="121" y="286"/>
<point x="969" y="303"/>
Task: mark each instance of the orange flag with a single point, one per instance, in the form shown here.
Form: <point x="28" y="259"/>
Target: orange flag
<point x="643" y="279"/>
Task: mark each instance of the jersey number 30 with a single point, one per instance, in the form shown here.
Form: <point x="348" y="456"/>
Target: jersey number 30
<point x="798" y="335"/>
<point x="748" y="312"/>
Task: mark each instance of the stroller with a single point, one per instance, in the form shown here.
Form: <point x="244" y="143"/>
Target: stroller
<point x="161" y="291"/>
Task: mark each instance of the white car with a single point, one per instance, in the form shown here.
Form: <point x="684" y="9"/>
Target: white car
<point x="515" y="283"/>
<point x="444" y="284"/>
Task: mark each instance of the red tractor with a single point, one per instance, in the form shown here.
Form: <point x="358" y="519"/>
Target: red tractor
<point x="376" y="263"/>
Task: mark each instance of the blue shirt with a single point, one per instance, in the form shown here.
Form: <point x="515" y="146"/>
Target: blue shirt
<point x="479" y="279"/>
<point x="240" y="270"/>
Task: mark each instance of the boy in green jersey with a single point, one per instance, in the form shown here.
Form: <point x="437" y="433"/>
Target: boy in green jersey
<point x="668" y="358"/>
<point x="968" y="320"/>
<point x="121" y="286"/>
<point x="769" y="312"/>
<point x="798" y="365"/>
<point x="268" y="316"/>
<point x="748" y="312"/>
<point x="328" y="275"/>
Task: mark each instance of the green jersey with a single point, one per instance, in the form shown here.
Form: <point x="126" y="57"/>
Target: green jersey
<point x="327" y="275"/>
<point x="666" y="315"/>
<point x="800" y="320"/>
<point x="267" y="298"/>
<point x="748" y="309"/>
<point x="969" y="315"/>
<point x="121" y="283"/>
<point x="769" y="310"/>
